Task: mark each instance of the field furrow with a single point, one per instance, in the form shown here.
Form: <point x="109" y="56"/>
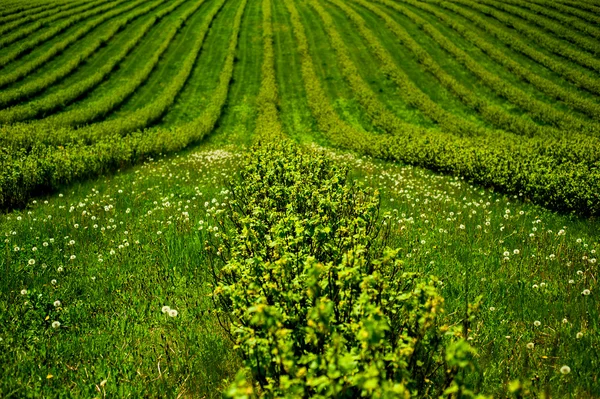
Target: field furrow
<point x="582" y="79"/>
<point x="558" y="30"/>
<point x="268" y="125"/>
<point x="566" y="20"/>
<point x="570" y="97"/>
<point x="381" y="116"/>
<point x="494" y="115"/>
<point x="197" y="93"/>
<point x="239" y="84"/>
<point x="26" y="31"/>
<point x="409" y="90"/>
<point x="22" y="49"/>
<point x="21" y="12"/>
<point x="556" y="46"/>
<point x="36" y="84"/>
<point x="295" y="114"/>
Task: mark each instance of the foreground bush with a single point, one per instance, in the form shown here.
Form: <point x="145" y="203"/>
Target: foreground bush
<point x="315" y="300"/>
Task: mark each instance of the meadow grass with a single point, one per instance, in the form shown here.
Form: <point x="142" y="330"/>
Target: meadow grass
<point x="113" y="252"/>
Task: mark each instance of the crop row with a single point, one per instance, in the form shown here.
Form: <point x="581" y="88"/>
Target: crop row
<point x="268" y="125"/>
<point x="494" y="115"/>
<point x="560" y="174"/>
<point x="570" y="98"/>
<point x="45" y="167"/>
<point x="588" y="12"/>
<point x="411" y="93"/>
<point x="153" y="111"/>
<point x="43" y="22"/>
<point x="31" y="110"/>
<point x="582" y="80"/>
<point x="566" y="20"/>
<point x="24" y="11"/>
<point x="45" y="130"/>
<point x="380" y="115"/>
<point x="27" y="46"/>
<point x="562" y="31"/>
<point x="541" y="38"/>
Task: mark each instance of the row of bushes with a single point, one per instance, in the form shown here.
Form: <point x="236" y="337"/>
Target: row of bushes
<point x="43" y="167"/>
<point x="562" y="31"/>
<point x="569" y="97"/>
<point x="19" y="10"/>
<point x="563" y="18"/>
<point x="268" y="125"/>
<point x="42" y="20"/>
<point x="563" y="68"/>
<point x="49" y="130"/>
<point x="34" y="86"/>
<point x="560" y="174"/>
<point x="380" y="114"/>
<point x="30" y="66"/>
<point x="316" y="302"/>
<point x="495" y="115"/>
<point x="541" y="38"/>
<point x="580" y="9"/>
<point x="411" y="93"/>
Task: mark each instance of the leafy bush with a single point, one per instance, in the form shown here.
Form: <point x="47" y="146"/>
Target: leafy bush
<point x="315" y="300"/>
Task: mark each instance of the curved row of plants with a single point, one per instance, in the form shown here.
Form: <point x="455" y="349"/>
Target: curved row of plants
<point x="559" y="30"/>
<point x="563" y="68"/>
<point x="380" y="114"/>
<point x="548" y="87"/>
<point x="544" y="170"/>
<point x="43" y="167"/>
<point x="567" y="20"/>
<point x="21" y="10"/>
<point x="268" y="126"/>
<point x="43" y="21"/>
<point x="580" y="9"/>
<point x="410" y="91"/>
<point x="556" y="46"/>
<point x="49" y="130"/>
<point x="25" y="47"/>
<point x="10" y="23"/>
<point x="495" y="115"/>
<point x="32" y="109"/>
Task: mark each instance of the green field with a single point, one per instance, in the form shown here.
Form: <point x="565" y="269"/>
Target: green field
<point x="299" y="198"/>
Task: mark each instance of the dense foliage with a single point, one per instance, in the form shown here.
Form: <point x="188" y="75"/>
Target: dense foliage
<point x="316" y="301"/>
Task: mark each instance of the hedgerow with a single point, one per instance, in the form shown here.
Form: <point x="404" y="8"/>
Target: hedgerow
<point x="27" y="46"/>
<point x="556" y="46"/>
<point x="31" y="87"/>
<point x="569" y="97"/>
<point x="316" y="302"/>
<point x="495" y="115"/>
<point x="43" y="19"/>
<point x="563" y="68"/>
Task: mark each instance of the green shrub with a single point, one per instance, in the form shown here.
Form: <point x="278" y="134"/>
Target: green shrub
<point x="315" y="300"/>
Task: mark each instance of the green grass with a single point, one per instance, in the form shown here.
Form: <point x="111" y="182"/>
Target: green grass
<point x="89" y="262"/>
<point x="238" y="117"/>
<point x="147" y="225"/>
<point x="195" y="96"/>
